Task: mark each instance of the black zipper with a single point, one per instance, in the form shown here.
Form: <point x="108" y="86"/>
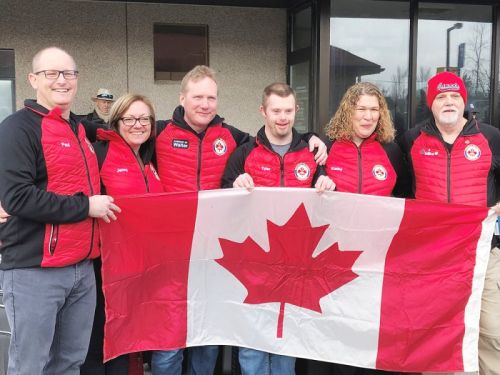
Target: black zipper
<point x="448" y="172"/>
<point x="282" y="170"/>
<point x="140" y="167"/>
<point x="198" y="172"/>
<point x="91" y="190"/>
<point x="54" y="235"/>
<point x="360" y="169"/>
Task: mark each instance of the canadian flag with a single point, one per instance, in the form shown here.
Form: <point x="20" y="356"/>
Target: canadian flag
<point x="362" y="280"/>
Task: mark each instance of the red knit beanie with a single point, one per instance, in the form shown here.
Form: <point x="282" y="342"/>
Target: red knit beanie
<point x="443" y="82"/>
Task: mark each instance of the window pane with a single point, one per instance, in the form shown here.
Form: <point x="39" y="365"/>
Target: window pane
<point x="299" y="80"/>
<point x="301" y="29"/>
<point x="179" y="48"/>
<point x="468" y="31"/>
<point x="6" y="100"/>
<point x="7" y="79"/>
<point x="369" y="42"/>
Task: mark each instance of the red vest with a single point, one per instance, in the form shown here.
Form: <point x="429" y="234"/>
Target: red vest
<point x="363" y="170"/>
<point x="456" y="176"/>
<point x="71" y="168"/>
<point x="121" y="172"/>
<point x="267" y="168"/>
<point x="186" y="163"/>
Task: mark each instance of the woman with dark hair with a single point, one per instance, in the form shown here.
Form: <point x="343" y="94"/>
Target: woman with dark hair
<point x="124" y="154"/>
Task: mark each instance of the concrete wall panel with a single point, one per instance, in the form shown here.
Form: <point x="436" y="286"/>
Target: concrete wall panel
<point x="113" y="46"/>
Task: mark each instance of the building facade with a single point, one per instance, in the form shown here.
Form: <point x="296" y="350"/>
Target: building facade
<point x="320" y="47"/>
<point x="112" y="43"/>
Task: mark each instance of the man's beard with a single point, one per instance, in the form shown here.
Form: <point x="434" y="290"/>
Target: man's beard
<point x="448" y="118"/>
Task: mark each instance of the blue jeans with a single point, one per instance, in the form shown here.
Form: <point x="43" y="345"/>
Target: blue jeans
<point x="50" y="313"/>
<point x="256" y="362"/>
<point x="202" y="361"/>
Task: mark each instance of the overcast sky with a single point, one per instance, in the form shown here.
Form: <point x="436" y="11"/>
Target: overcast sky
<point x="386" y="42"/>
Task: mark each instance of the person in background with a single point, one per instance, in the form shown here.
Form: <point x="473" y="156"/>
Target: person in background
<point x="49" y="184"/>
<point x="103" y="101"/>
<point x="124" y="155"/>
<point x="278" y="156"/>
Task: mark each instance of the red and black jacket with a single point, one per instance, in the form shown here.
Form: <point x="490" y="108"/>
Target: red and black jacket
<point x="190" y="161"/>
<point x="297" y="168"/>
<point x="47" y="172"/>
<point x="121" y="169"/>
<point x="372" y="168"/>
<point x="465" y="172"/>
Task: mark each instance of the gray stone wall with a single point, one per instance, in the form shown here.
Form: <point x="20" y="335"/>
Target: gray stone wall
<point x="113" y="46"/>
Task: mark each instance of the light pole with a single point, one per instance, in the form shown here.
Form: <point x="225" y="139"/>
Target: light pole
<point x="458" y="25"/>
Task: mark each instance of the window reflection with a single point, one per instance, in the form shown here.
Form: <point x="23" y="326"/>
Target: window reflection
<point x="7" y="82"/>
<point x="467" y="28"/>
<point x="301" y="26"/>
<point x="6" y="103"/>
<point x="299" y="80"/>
<point x="369" y="42"/>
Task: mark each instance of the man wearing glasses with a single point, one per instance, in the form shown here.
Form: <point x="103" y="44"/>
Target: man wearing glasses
<point x="49" y="184"/>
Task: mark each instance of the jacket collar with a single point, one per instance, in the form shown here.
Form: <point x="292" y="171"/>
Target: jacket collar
<point x="471" y="127"/>
<point x="33" y="106"/>
<point x="263" y="140"/>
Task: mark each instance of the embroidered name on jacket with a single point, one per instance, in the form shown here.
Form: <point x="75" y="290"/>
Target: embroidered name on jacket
<point x="180" y="143"/>
<point x="429" y="152"/>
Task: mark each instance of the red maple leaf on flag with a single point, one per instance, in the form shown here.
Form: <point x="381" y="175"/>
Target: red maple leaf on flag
<point x="288" y="273"/>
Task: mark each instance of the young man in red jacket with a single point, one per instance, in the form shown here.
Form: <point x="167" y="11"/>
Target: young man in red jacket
<point x="49" y="184"/>
<point x="276" y="157"/>
<point x="192" y="150"/>
<point x="457" y="160"/>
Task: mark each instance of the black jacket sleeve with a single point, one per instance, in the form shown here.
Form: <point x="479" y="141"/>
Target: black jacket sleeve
<point x="320" y="171"/>
<point x="405" y="143"/>
<point x="493" y="135"/>
<point x="236" y="164"/>
<point x="91" y="129"/>
<point x="239" y="136"/>
<point x="403" y="185"/>
<point x="21" y="192"/>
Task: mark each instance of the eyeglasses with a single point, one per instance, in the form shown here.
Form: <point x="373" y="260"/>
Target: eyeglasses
<point x="54" y="74"/>
<point x="131" y="121"/>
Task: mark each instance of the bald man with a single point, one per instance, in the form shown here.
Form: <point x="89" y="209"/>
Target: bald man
<point x="49" y="184"/>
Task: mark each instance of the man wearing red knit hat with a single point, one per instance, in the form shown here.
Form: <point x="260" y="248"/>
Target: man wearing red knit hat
<point x="456" y="160"/>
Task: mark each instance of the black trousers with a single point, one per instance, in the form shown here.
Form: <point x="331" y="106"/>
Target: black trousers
<point x="93" y="364"/>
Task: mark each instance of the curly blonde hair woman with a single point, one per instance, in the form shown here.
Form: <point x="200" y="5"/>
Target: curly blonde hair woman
<point x="341" y="124"/>
<point x="363" y="157"/>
